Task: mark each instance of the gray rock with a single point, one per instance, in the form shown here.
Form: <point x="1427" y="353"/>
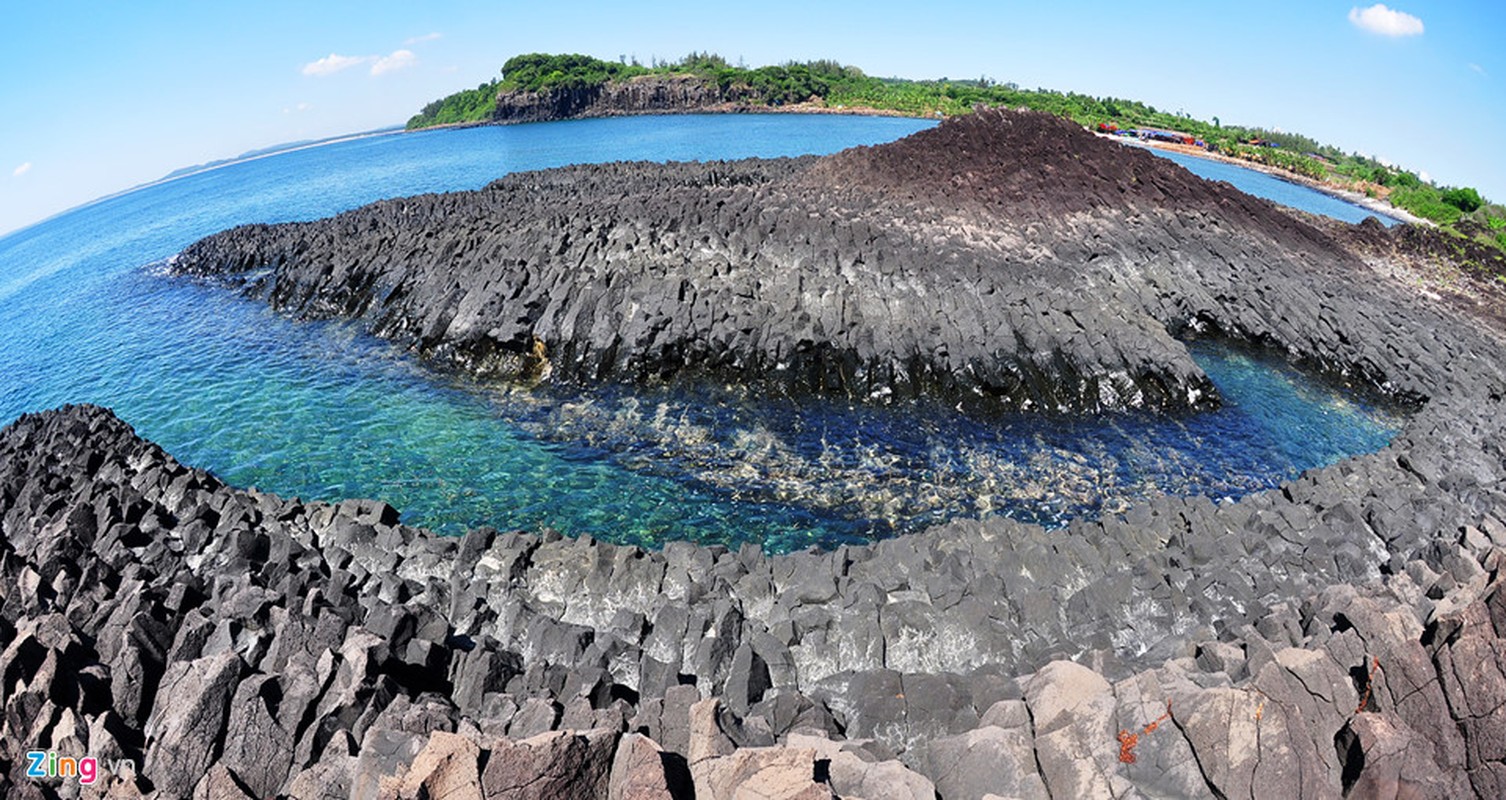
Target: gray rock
<point x="259" y="736"/>
<point x="535" y="716"/>
<point x="988" y="760"/>
<point x="188" y="720"/>
<point x="1073" y="709"/>
<point x="558" y="765"/>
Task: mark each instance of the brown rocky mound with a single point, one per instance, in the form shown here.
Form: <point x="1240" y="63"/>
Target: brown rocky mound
<point x="1023" y="166"/>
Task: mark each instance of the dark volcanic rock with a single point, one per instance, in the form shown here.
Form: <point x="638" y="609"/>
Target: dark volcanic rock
<point x="1005" y="258"/>
<point x="646" y="94"/>
<point x="265" y="692"/>
<point x="1340" y="634"/>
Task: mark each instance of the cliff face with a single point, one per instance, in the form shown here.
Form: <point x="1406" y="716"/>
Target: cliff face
<point x="648" y="94"/>
<point x="1007" y="259"/>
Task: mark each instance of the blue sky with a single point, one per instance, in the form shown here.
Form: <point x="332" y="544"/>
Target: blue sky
<point x="106" y="95"/>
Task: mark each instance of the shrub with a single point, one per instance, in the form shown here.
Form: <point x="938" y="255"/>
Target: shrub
<point x="1463" y="198"/>
<point x="1425" y="202"/>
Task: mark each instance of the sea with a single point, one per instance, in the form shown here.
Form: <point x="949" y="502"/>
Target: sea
<point x="324" y="411"/>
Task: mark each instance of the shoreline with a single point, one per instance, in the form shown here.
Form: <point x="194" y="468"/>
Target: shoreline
<point x="1354" y="198"/>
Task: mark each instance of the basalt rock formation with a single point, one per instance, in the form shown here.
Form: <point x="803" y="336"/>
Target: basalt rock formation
<point x="646" y="94"/>
<point x="1006" y="258"/>
<point x="1340" y="634"/>
<point x="200" y="640"/>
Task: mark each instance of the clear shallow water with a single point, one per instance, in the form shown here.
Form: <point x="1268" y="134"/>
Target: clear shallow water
<point x="321" y="411"/>
<point x="902" y="467"/>
<point x="1274" y="189"/>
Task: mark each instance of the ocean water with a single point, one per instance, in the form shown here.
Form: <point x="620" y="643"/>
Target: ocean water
<point x="323" y="411"/>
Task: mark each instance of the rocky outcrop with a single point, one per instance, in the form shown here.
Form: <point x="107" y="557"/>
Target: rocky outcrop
<point x="1340" y="634"/>
<point x="1006" y="259"/>
<point x="1462" y="272"/>
<point x="645" y="94"/>
<point x="210" y="642"/>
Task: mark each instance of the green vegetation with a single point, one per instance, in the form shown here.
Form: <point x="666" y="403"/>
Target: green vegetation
<point x="1466" y="199"/>
<point x="1461" y="211"/>
<point x="469" y="105"/>
<point x="537" y="72"/>
<point x="1426" y="202"/>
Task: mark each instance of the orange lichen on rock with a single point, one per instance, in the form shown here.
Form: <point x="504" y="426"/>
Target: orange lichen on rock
<point x="1128" y="740"/>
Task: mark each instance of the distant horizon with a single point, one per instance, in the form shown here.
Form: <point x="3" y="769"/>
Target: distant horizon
<point x="163" y="91"/>
<point x="210" y="166"/>
<point x="281" y="148"/>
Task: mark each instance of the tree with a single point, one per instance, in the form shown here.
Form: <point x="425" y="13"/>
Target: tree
<point x="1463" y="198"/>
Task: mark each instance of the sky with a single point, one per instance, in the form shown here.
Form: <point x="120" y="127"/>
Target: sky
<point x="102" y="96"/>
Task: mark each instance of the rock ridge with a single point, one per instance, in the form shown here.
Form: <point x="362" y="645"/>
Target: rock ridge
<point x="1005" y="259"/>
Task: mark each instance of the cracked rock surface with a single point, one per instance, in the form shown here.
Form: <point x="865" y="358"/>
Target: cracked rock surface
<point x="235" y="644"/>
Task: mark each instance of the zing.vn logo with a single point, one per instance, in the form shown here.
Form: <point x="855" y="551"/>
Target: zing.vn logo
<point x="48" y="765"/>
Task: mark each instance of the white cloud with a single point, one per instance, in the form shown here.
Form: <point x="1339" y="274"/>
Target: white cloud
<point x="333" y="63"/>
<point x="299" y="107"/>
<point x="1423" y="174"/>
<point x="428" y="37"/>
<point x="380" y="65"/>
<point x="21" y="170"/>
<point x="400" y="59"/>
<point x="1478" y="68"/>
<point x="1385" y="21"/>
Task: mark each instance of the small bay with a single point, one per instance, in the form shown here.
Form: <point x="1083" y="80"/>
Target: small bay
<point x="323" y="411"/>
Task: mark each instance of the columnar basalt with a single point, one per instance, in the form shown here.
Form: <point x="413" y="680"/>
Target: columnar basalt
<point x="237" y="644"/>
<point x="1006" y="259"/>
<point x="1339" y="634"/>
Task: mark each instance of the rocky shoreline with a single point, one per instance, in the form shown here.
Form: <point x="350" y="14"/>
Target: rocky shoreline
<point x="1337" y="636"/>
<point x="649" y="94"/>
